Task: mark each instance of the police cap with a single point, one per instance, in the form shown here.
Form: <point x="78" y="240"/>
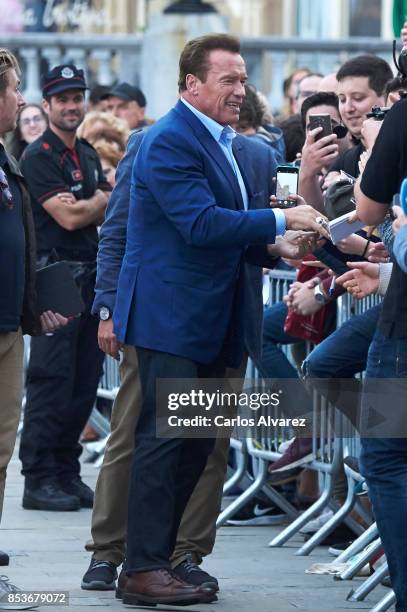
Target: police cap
<point x="61" y="78"/>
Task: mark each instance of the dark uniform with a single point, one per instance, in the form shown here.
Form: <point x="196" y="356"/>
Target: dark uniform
<point x="64" y="368"/>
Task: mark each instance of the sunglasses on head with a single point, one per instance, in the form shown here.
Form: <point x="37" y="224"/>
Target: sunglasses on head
<point x="340" y="131"/>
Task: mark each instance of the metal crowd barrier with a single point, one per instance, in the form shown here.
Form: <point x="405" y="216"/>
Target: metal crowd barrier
<point x="346" y="308"/>
<point x="331" y="454"/>
<point x="108" y="387"/>
<point x="328" y="457"/>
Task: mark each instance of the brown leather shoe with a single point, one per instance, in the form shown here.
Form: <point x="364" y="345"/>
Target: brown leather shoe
<point x="163" y="587"/>
<point x="121" y="584"/>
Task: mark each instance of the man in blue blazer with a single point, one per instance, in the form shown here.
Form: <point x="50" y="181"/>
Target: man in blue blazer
<point x="196" y="534"/>
<point x="179" y="297"/>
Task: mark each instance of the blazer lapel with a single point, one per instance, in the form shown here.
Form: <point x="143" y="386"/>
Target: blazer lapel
<point x="213" y="148"/>
<point x="245" y="167"/>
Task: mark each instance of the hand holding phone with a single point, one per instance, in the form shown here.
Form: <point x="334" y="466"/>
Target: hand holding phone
<point x="320" y="148"/>
<point x="287" y="184"/>
<point x="323" y="120"/>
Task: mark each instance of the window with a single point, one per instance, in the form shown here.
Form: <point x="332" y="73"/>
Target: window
<point x="365" y="17"/>
<point x="313" y="18"/>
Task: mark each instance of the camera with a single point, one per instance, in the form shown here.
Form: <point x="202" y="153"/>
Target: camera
<point x="378" y="113"/>
<point x="401" y="65"/>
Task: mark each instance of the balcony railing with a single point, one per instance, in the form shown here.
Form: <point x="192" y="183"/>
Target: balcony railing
<point x="104" y="59"/>
<point x="109" y="58"/>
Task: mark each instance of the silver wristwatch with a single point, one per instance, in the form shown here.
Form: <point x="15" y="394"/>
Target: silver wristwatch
<point x="104" y="313"/>
<point x="319" y="295"/>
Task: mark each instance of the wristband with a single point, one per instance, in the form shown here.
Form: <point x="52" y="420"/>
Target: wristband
<point x="366" y="247"/>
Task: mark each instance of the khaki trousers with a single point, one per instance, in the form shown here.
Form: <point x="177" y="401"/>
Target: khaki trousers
<point x="197" y="531"/>
<point x="11" y="379"/>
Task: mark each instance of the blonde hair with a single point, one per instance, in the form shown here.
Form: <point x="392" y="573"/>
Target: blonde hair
<point x="114" y="130"/>
<point x="8" y="61"/>
<point x="110" y="151"/>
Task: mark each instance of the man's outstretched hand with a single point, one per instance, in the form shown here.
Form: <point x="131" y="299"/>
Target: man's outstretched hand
<point x="293" y="245"/>
<point x="362" y="280"/>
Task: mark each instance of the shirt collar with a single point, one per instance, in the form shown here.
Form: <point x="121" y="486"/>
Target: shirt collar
<point x="50" y="137"/>
<point x="220" y="133"/>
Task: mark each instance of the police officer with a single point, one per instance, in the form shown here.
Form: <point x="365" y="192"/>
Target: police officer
<point x="69" y="196"/>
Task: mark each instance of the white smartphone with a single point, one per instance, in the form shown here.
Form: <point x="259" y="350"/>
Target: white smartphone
<point x="340" y="228"/>
<point x="287" y="184"/>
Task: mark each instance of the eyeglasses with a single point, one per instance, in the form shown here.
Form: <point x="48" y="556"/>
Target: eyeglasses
<point x="36" y="120"/>
<point x="6" y="195"/>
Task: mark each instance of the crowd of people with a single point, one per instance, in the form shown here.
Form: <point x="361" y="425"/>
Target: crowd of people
<point x="184" y="208"/>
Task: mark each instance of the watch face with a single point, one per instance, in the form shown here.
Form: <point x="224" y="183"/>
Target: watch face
<point x="104" y="313"/>
<point x="319" y="296"/>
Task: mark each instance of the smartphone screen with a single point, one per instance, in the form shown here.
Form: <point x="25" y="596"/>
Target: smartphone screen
<point x="287" y="183"/>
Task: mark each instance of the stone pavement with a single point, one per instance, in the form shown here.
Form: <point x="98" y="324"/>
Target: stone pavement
<point x="47" y="553"/>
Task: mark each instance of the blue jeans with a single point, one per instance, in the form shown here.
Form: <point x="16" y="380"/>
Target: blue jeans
<point x="344" y="353"/>
<point x="384" y="465"/>
<point x="332" y="365"/>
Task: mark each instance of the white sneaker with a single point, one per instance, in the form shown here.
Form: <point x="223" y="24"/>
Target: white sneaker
<point x="284" y="445"/>
<point x="7" y="590"/>
<point x="316" y="524"/>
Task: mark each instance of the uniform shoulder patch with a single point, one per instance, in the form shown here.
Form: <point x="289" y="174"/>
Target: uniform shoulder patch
<point x="35" y="148"/>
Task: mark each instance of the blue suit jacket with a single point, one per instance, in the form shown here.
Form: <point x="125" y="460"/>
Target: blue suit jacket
<point x="260" y="165"/>
<point x="112" y="237"/>
<point x="181" y="284"/>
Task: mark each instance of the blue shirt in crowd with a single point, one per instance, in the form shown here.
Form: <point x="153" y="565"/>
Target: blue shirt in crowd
<point x="400" y="248"/>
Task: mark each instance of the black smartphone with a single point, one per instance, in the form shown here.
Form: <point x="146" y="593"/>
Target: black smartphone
<point x="287" y="184"/>
<point x="323" y="120"/>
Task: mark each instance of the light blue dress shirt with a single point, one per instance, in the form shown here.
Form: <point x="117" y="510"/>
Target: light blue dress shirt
<point x="224" y="136"/>
<point x="400" y="248"/>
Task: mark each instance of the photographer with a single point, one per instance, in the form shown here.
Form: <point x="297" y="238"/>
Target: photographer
<point x="384" y="460"/>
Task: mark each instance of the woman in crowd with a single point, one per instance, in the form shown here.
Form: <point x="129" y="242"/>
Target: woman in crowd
<point x="31" y="123"/>
<point x="105" y="126"/>
<point x="110" y="154"/>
